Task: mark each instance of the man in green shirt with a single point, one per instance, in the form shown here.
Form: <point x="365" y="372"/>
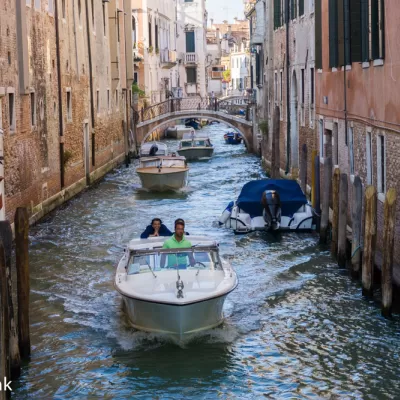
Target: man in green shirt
<point x="178" y="241"/>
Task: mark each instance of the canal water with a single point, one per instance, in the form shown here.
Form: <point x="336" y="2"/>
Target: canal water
<point x="296" y="327"/>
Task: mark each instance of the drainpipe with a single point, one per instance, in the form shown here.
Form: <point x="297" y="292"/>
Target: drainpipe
<point x="91" y="84"/>
<point x="60" y="110"/>
<point x="288" y="144"/>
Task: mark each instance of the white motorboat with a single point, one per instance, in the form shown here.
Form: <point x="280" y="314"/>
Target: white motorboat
<point x="162" y="173"/>
<point x="153" y="149"/>
<point x="269" y="204"/>
<point x="195" y="145"/>
<point x="174" y="291"/>
<point x="177" y="131"/>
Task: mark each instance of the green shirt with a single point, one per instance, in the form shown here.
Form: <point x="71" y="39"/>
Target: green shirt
<point x="181" y="259"/>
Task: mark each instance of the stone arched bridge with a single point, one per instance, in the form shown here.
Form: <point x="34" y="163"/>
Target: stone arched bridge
<point x="237" y="116"/>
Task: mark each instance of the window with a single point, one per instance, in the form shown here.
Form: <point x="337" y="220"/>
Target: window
<point x="312" y="85"/>
<point x="33" y="110"/>
<point x="381" y="164"/>
<point x="135" y="77"/>
<point x="293" y="9"/>
<point x="364" y="30"/>
<point x="80" y="12"/>
<point x="351" y="151"/>
<point x="104" y="19"/>
<point x="134" y="32"/>
<point x="333" y="34"/>
<point x="37" y="4"/>
<point x="335" y="140"/>
<point x="191" y="75"/>
<point x="302" y="86"/>
<point x="301" y="7"/>
<point x="276" y="86"/>
<point x="50" y="7"/>
<point x="116" y="99"/>
<point x="69" y="105"/>
<point x="318" y="35"/>
<point x="321" y="138"/>
<point x="150" y="34"/>
<point x="98" y="101"/>
<point x="281" y="97"/>
<point x="378" y="29"/>
<point x="63" y="8"/>
<point x="277" y="14"/>
<point x="369" y="158"/>
<point x="156" y="35"/>
<point x="11" y="111"/>
<point x="108" y="99"/>
<point x="93" y="26"/>
<point x="190" y="44"/>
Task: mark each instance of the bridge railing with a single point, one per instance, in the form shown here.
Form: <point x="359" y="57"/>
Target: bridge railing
<point x="193" y="104"/>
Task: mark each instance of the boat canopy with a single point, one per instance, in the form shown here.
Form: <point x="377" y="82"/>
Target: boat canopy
<point x="290" y="193"/>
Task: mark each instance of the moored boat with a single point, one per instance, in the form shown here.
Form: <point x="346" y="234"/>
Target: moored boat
<point x="174" y="291"/>
<point x="163" y="173"/>
<point x="269" y="204"/>
<point x="177" y="131"/>
<point x="153" y="149"/>
<point x="195" y="145"/>
<point x="233" y="138"/>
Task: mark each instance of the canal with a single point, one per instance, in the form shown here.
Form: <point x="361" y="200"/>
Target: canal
<point x="296" y="327"/>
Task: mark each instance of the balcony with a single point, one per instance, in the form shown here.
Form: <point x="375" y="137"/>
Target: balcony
<point x="191" y="58"/>
<point x="167" y="58"/>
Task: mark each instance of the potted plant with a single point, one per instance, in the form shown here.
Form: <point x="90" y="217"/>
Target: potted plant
<point x="263" y="126"/>
<point x="157" y="50"/>
<point x="136" y="89"/>
<point x="134" y="46"/>
<point x="150" y="49"/>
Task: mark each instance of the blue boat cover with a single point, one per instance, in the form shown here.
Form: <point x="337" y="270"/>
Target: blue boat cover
<point x="290" y="193"/>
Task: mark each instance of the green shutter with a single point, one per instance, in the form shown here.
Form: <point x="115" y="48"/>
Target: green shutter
<point x="383" y="28"/>
<point x="292" y="9"/>
<point x="341" y="28"/>
<point x="277" y="13"/>
<point x="318" y="35"/>
<point x="375" y="28"/>
<point x="355" y="29"/>
<point x="190" y="48"/>
<point x="333" y="34"/>
<point x="301" y="7"/>
<point x="364" y="31"/>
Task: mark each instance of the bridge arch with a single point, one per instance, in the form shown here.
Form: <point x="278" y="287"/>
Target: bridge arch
<point x="247" y="140"/>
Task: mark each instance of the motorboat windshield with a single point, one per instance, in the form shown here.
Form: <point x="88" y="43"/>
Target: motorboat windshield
<point x="150" y="261"/>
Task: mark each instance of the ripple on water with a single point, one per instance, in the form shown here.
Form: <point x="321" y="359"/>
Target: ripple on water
<point x="295" y="327"/>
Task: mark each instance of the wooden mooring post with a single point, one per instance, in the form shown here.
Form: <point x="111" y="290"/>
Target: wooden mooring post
<point x="388" y="245"/>
<point x="15" y="359"/>
<point x="369" y="241"/>
<point x="356" y="226"/>
<point x="313" y="155"/>
<point x="335" y="211"/>
<point x="303" y="168"/>
<point x="323" y="232"/>
<point x="317" y="191"/>
<point x="4" y="325"/>
<point x="21" y="222"/>
<point x="342" y="235"/>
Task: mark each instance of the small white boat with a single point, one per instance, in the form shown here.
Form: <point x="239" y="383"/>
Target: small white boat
<point x="153" y="149"/>
<point x="162" y="173"/>
<point x="269" y="204"/>
<point x="174" y="291"/>
<point x="177" y="131"/>
<point x="195" y="145"/>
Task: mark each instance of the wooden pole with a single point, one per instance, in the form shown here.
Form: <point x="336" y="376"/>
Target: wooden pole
<point x="21" y="222"/>
<point x="313" y="155"/>
<point x="388" y="245"/>
<point x="356" y="217"/>
<point x="323" y="232"/>
<point x="335" y="209"/>
<point x="342" y="232"/>
<point x="15" y="359"/>
<point x="4" y="325"/>
<point x="369" y="241"/>
<point x="303" y="169"/>
<point x="317" y="191"/>
<point x="275" y="159"/>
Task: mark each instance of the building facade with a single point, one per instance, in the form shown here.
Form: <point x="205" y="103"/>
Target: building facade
<point x="357" y="118"/>
<point x="64" y="98"/>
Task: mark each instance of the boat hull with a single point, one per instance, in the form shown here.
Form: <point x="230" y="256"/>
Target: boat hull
<point x="194" y="153"/>
<point x="165" y="181"/>
<point x="177" y="320"/>
<point x="233" y="141"/>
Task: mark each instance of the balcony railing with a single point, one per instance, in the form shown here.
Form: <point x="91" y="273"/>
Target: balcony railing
<point x="190" y="58"/>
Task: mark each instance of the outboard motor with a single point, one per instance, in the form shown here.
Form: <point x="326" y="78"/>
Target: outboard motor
<point x="271" y="203"/>
<point x="153" y="150"/>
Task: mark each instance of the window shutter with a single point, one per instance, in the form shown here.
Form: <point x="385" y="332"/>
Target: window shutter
<point x="364" y="31"/>
<point x="333" y="34"/>
<point x="355" y="26"/>
<point x="190" y="42"/>
<point x="292" y="10"/>
<point x="375" y="28"/>
<point x="301" y="7"/>
<point x="277" y="13"/>
<point x="318" y="35"/>
<point x="258" y="82"/>
<point x="382" y="26"/>
<point x="341" y="29"/>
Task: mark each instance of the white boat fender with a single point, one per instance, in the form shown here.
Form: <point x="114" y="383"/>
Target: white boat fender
<point x="226" y="214"/>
